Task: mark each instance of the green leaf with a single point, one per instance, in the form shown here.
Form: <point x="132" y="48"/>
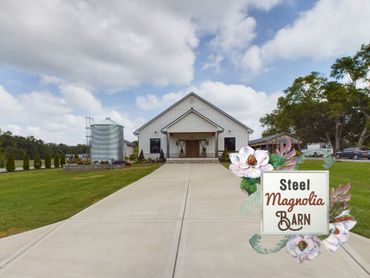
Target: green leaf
<point x="254" y="241"/>
<point x="251" y="201"/>
<point x="249" y="185"/>
<point x="276" y="160"/>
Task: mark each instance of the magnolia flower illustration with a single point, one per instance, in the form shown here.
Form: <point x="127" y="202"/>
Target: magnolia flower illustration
<point x="250" y="163"/>
<point x="339" y="199"/>
<point x="303" y="247"/>
<point x="339" y="230"/>
<point x="340" y="195"/>
<point x="284" y="157"/>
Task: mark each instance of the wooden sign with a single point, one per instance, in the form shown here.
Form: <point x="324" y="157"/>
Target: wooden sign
<point x="295" y="202"/>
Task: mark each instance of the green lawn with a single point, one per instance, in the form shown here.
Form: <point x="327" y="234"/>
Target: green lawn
<point x="358" y="175"/>
<point x="37" y="198"/>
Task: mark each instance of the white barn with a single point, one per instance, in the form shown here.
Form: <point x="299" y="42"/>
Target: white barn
<point x="192" y="127"/>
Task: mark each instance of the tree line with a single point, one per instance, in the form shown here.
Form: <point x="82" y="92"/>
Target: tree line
<point x="35" y="149"/>
<point x="335" y="110"/>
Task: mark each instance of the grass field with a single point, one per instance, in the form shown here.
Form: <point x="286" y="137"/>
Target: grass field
<point x="37" y="198"/>
<point x="358" y="175"/>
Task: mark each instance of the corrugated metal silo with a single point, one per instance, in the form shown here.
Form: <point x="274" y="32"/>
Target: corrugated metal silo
<point x="106" y="141"/>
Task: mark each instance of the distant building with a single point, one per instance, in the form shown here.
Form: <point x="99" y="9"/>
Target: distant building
<point x="81" y="156"/>
<point x="192" y="127"/>
<point x="273" y="141"/>
<point x="128" y="148"/>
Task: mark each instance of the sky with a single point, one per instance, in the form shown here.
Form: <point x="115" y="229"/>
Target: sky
<point x="63" y="60"/>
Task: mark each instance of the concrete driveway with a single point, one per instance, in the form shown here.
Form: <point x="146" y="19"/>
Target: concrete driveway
<point x="182" y="220"/>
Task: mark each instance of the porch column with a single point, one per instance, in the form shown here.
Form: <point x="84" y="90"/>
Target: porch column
<point x="216" y="145"/>
<point x="168" y="144"/>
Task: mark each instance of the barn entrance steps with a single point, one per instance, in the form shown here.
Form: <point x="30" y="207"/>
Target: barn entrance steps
<point x="193" y="160"/>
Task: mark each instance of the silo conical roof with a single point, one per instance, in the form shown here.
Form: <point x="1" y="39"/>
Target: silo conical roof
<point x="107" y="121"/>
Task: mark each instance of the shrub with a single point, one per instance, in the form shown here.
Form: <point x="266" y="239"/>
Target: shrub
<point x="37" y="163"/>
<point x="10" y="163"/>
<point x="62" y="160"/>
<point x="2" y="161"/>
<point x="47" y="161"/>
<point x="133" y="157"/>
<point x="141" y="156"/>
<point x="162" y="158"/>
<point x="76" y="157"/>
<point x="224" y="157"/>
<point x="83" y="162"/>
<point x="56" y="161"/>
<point x="26" y="162"/>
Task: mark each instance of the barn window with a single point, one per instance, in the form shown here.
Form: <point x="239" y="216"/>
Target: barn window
<point x="155" y="145"/>
<point x="230" y="144"/>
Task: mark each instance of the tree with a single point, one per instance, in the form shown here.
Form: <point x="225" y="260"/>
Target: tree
<point x="26" y="162"/>
<point x="56" y="161"/>
<point x="317" y="110"/>
<point x="357" y="68"/>
<point x="10" y="163"/>
<point x="37" y="163"/>
<point x="62" y="159"/>
<point x="141" y="156"/>
<point x="47" y="161"/>
<point x="301" y="111"/>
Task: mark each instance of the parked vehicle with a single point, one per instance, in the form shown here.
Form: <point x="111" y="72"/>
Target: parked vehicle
<point x="354" y="153"/>
<point x="316" y="149"/>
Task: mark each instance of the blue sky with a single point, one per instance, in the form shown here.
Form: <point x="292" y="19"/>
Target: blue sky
<point x="63" y="60"/>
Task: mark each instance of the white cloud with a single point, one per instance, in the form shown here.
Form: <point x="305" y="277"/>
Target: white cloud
<point x="113" y="43"/>
<point x="330" y="29"/>
<point x="242" y="102"/>
<point x="58" y="119"/>
<point x="214" y="62"/>
<point x="119" y="44"/>
<point x="235" y="33"/>
<point x="8" y="103"/>
<point x="252" y="60"/>
<point x="150" y="101"/>
<point x="80" y="98"/>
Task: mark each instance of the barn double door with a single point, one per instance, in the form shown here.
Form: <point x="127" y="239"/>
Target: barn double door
<point x="192" y="148"/>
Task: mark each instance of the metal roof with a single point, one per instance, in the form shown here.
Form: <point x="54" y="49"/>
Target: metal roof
<point x="250" y="131"/>
<point x="107" y="121"/>
<point x="270" y="138"/>
<point x="129" y="143"/>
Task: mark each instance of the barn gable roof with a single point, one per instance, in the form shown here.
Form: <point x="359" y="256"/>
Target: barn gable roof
<point x="190" y="111"/>
<point x="250" y="131"/>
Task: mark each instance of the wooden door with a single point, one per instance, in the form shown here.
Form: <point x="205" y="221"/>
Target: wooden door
<point x="192" y="148"/>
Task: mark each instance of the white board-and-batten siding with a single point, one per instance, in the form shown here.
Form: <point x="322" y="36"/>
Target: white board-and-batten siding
<point x="191" y="122"/>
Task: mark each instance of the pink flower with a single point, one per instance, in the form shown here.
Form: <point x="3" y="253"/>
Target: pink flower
<point x="250" y="163"/>
<point x="303" y="247"/>
<point x="340" y="194"/>
<point x="288" y="153"/>
<point x="339" y="231"/>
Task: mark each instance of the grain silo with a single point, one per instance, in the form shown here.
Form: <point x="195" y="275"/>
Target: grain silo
<point x="106" y="141"/>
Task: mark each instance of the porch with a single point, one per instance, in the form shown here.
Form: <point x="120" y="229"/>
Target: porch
<point x="192" y="135"/>
<point x="192" y="145"/>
